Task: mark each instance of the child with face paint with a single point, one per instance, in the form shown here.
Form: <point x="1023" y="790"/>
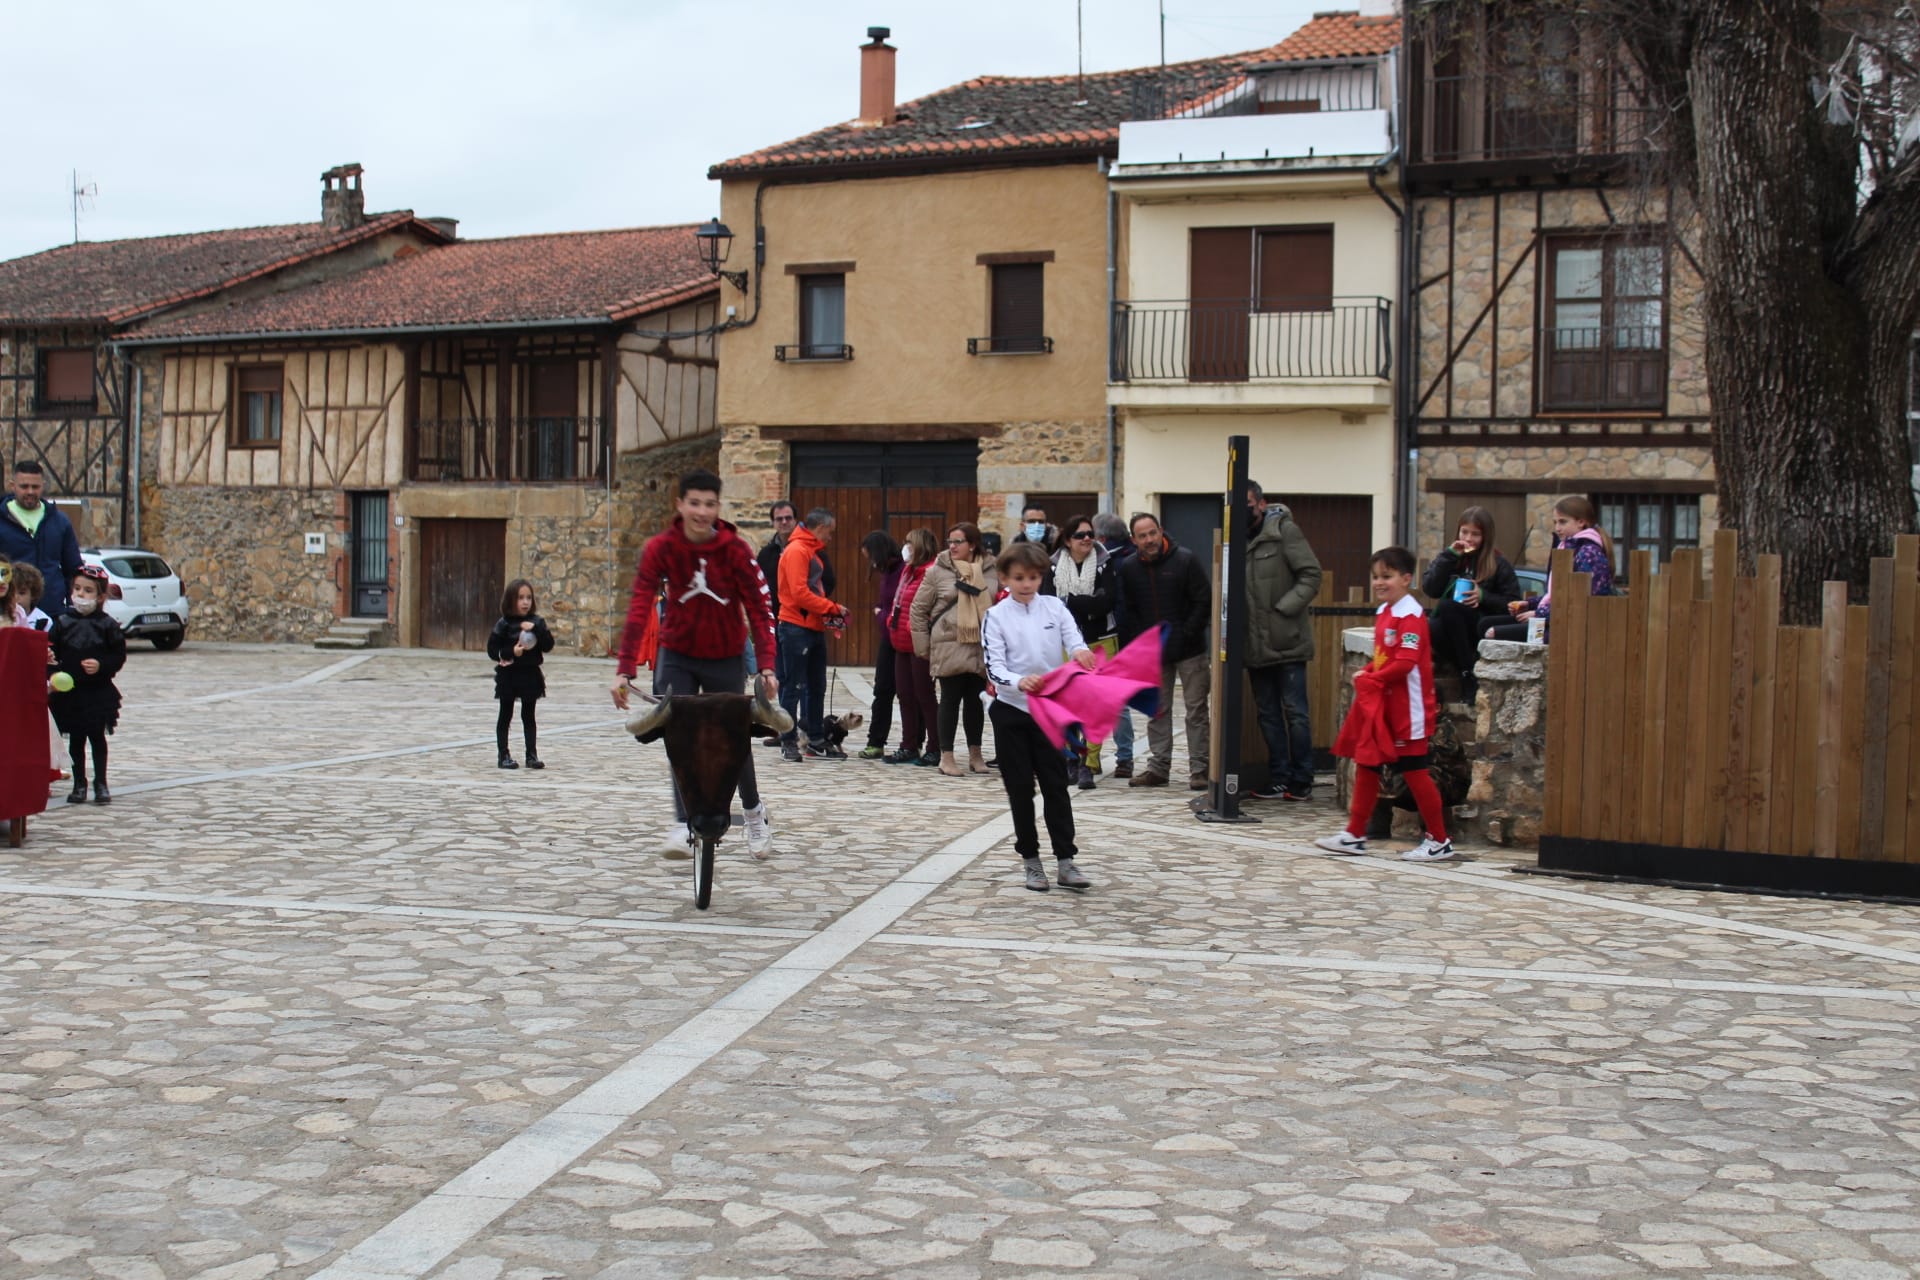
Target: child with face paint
<point x="89" y="646"/>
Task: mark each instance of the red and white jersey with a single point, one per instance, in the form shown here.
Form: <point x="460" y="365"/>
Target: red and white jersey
<point x="1403" y="667"/>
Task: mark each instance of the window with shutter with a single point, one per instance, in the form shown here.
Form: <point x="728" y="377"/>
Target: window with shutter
<point x="257" y="398"/>
<point x="823" y="316"/>
<point x="1019" y="307"/>
<point x="66" y="381"/>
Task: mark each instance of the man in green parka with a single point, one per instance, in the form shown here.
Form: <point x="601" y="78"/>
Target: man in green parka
<point x="1283" y="576"/>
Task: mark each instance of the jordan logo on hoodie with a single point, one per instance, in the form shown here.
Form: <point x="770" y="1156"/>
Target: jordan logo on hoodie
<point x="700" y="587"/>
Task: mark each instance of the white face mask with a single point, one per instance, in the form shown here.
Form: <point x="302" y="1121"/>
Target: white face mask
<point x="84" y="606"/>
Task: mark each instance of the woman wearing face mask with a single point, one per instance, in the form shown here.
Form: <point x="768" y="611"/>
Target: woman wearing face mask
<point x="1083" y="578"/>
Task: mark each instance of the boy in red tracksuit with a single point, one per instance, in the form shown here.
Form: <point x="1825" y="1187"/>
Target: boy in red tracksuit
<point x="715" y="599"/>
<point x="1393" y="713"/>
<point x="805" y="615"/>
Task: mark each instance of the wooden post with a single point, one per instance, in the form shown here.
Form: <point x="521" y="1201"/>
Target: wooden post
<point x="1721" y="674"/>
<point x="1766" y="687"/>
<point x="1898" y="830"/>
<point x="1562" y="769"/>
<point x="1634" y="701"/>
<point x="1571" y="622"/>
<point x="1833" y="666"/>
<point x="1876" y="721"/>
<point x="1657" y="600"/>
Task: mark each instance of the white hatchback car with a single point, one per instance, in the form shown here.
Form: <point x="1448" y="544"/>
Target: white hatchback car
<point x="144" y="595"/>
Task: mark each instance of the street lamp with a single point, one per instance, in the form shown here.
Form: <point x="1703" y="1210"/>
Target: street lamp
<point x="715" y="241"/>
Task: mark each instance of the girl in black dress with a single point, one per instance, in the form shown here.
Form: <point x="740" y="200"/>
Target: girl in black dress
<point x="89" y="646"/>
<point x="518" y="640"/>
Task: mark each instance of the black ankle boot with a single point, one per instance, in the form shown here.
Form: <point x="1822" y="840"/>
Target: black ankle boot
<point x="508" y="762"/>
<point x="534" y="761"/>
<point x="79" y="793"/>
<point x="100" y="794"/>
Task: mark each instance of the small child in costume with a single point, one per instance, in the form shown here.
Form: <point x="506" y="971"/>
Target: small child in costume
<point x="518" y="640"/>
<point x="89" y="646"/>
<point x="31" y="587"/>
<point x="1393" y="714"/>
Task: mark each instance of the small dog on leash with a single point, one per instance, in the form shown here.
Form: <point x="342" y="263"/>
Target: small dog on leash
<point x="834" y="728"/>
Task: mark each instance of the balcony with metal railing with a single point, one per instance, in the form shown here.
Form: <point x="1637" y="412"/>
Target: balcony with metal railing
<point x="1303" y="115"/>
<point x="508" y="450"/>
<point x="1242" y="353"/>
<point x="1567" y="120"/>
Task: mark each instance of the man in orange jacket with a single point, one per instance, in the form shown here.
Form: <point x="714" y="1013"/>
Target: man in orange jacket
<point x="805" y="615"/>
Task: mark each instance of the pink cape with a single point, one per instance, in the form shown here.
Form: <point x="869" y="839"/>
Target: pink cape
<point x="1072" y="699"/>
<point x="24" y="763"/>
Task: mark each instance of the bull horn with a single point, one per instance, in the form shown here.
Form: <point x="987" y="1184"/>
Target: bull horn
<point x="769" y="714"/>
<point x="648" y="717"/>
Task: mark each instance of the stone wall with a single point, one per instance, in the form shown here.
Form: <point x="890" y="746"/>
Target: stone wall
<point x="1507" y="751"/>
<point x="1557" y="470"/>
<point x="239" y="552"/>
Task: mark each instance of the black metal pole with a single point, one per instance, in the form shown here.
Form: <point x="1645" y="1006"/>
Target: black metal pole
<point x="1231" y="652"/>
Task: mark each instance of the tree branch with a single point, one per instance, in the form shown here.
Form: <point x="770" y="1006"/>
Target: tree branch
<point x="1878" y="256"/>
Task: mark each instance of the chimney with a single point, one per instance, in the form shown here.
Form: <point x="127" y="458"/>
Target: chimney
<point x="448" y="227"/>
<point x="876" y="79"/>
<point x="343" y="206"/>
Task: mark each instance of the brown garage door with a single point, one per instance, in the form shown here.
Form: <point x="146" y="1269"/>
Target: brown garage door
<point x="895" y="487"/>
<point x="463" y="565"/>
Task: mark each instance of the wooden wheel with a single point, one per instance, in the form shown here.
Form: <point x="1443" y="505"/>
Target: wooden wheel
<point x="703" y="874"/>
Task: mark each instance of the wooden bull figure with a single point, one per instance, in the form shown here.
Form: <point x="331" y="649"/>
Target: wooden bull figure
<point x="708" y="736"/>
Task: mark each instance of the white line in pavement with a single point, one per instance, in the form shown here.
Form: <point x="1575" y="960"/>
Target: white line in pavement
<point x="337" y="906"/>
<point x="301" y="766"/>
<point x="1404" y="968"/>
<point x="312" y="677"/>
<point x="422" y="1237"/>
<point x="1592" y="901"/>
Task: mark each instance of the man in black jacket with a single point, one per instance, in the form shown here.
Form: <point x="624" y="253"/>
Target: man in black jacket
<point x="1164" y="584"/>
<point x="34" y="531"/>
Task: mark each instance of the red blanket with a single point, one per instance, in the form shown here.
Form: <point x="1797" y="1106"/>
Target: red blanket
<point x="1072" y="702"/>
<point x="1364" y="736"/>
<point x="23" y="722"/>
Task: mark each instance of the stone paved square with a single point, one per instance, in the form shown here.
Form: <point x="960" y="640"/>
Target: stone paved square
<point x="325" y="993"/>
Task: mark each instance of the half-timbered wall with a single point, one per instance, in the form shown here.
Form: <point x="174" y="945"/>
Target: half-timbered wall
<point x="1479" y="313"/>
<point x="668" y="388"/>
<point x="82" y="453"/>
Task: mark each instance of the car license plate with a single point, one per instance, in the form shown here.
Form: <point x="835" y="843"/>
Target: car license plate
<point x="156" y="619"/>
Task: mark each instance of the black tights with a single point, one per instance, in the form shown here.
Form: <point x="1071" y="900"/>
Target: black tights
<point x="77" y="750"/>
<point x="960" y="699"/>
<point x="527" y="724"/>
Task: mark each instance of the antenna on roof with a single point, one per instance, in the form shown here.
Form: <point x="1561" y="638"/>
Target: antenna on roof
<point x="1080" y="48"/>
<point x="83" y="197"/>
<point x="1163" y="33"/>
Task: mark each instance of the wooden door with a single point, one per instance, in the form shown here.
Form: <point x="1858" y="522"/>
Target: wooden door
<point x="369" y="585"/>
<point x="463" y="566"/>
<point x="1220" y="296"/>
<point x="1339" y="528"/>
<point x="1296" y="269"/>
<point x="858" y="511"/>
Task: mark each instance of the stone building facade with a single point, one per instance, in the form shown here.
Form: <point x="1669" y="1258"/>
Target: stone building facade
<point x="303" y="467"/>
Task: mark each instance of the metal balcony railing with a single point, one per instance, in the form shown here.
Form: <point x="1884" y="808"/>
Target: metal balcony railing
<point x="1005" y="346"/>
<point x="509" y="449"/>
<point x="1241" y="340"/>
<point x="788" y="352"/>
<point x="1186" y="96"/>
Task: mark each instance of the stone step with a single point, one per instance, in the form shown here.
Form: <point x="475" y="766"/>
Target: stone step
<point x="355" y="633"/>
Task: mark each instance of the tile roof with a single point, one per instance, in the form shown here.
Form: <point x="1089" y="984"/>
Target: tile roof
<point x="587" y="277"/>
<point x="115" y="281"/>
<point x="994" y="118"/>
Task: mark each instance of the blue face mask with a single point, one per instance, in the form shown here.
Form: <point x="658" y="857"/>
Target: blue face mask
<point x="1036" y="530"/>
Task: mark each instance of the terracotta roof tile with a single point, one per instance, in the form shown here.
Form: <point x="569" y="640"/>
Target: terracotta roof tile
<point x="115" y="281"/>
<point x="592" y="277"/>
<point x="990" y="117"/>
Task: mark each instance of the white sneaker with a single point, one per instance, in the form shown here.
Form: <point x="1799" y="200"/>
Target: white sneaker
<point x="759" y="834"/>
<point x="676" y="844"/>
<point x="1341" y="842"/>
<point x="1429" y="850"/>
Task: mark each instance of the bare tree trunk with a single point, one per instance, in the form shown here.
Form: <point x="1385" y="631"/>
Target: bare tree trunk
<point x="1807" y="378"/>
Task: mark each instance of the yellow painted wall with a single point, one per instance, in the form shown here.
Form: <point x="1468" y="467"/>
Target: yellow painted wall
<point x="916" y="295"/>
<point x="1312" y="452"/>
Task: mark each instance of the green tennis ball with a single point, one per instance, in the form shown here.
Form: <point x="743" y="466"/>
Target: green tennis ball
<point x="62" y="682"/>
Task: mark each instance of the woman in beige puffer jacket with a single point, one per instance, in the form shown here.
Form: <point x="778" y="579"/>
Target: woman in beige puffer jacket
<point x="953" y="597"/>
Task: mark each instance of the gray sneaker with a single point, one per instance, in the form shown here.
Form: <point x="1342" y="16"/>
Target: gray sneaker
<point x="1070" y="877"/>
<point x="1036" y="875"/>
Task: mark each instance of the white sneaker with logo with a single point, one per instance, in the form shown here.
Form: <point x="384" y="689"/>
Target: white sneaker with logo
<point x="1429" y="850"/>
<point x="1341" y="842"/>
<point x="676" y="843"/>
<point x="759" y="834"/>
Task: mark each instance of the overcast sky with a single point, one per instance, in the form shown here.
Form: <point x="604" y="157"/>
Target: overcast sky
<point x="561" y="115"/>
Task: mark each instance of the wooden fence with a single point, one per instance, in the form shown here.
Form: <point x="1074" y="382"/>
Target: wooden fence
<point x="1685" y="716"/>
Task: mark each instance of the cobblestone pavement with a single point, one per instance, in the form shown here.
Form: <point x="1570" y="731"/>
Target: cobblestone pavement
<point x="326" y="993"/>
